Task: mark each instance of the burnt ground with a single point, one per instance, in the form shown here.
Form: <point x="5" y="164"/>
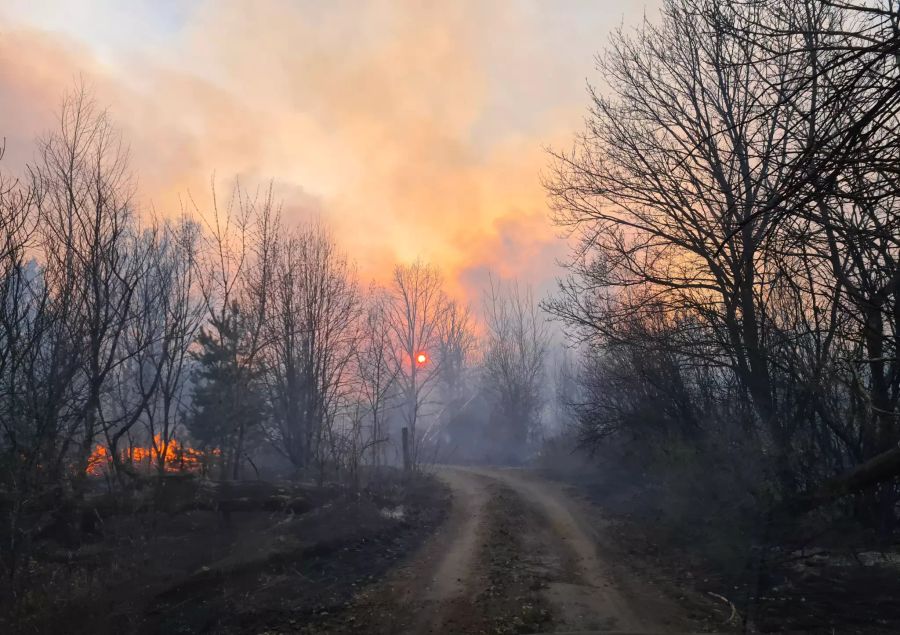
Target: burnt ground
<point x="821" y="577"/>
<point x="482" y="551"/>
<point x="202" y="572"/>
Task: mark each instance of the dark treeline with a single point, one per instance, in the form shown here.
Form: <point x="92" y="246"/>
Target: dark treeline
<point x="736" y="281"/>
<point x="222" y="329"/>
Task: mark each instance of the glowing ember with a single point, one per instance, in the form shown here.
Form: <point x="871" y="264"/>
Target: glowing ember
<point x="178" y="458"/>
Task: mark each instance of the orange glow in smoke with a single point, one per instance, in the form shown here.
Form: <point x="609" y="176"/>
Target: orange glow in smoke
<point x="178" y="457"/>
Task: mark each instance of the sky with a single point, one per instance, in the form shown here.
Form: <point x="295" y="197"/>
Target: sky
<point x="413" y="128"/>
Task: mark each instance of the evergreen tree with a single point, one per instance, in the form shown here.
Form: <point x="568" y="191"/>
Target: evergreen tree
<point x="228" y="403"/>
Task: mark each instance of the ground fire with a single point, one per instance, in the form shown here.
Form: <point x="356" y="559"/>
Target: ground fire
<point x="178" y="457"/>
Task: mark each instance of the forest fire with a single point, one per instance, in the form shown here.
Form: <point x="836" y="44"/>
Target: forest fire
<point x="177" y="457"/>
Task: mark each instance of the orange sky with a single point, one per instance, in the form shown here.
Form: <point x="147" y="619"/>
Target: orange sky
<point x="414" y="128"/>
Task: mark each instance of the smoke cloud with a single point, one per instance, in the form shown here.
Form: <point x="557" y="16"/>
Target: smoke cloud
<point x="415" y="129"/>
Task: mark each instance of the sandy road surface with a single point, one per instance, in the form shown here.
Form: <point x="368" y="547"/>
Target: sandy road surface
<point x="516" y="555"/>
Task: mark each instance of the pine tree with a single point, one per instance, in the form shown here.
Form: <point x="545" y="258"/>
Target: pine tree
<point x="228" y="403"/>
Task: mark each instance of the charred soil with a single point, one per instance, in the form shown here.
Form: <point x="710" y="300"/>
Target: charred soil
<point x="818" y="575"/>
<point x="201" y="571"/>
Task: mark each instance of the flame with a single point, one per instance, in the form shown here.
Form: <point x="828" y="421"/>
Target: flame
<point x="178" y="457"/>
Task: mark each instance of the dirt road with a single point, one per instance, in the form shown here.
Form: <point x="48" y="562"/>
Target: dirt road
<point x="518" y="554"/>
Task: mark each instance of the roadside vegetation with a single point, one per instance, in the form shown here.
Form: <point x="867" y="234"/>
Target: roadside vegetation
<point x="734" y="292"/>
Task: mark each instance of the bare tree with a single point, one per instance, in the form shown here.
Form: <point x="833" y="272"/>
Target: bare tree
<point x="310" y="341"/>
<point x="735" y="197"/>
<point x="456" y="347"/>
<point x="179" y="312"/>
<point x="849" y="208"/>
<point x="416" y="310"/>
<point x="27" y="442"/>
<point x="94" y="259"/>
<point x="689" y="148"/>
<point x="375" y="368"/>
<point x="515" y="351"/>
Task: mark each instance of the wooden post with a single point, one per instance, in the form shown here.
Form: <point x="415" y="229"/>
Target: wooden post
<point x="406" y="463"/>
